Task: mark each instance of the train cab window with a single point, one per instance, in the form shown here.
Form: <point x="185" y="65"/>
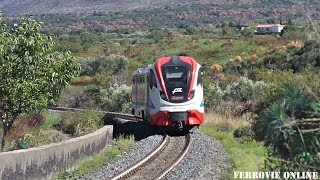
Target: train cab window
<point x="199" y="80"/>
<point x="153" y="81"/>
<point x="176" y="74"/>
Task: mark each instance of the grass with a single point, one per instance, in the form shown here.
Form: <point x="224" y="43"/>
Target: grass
<point x="51" y="119"/>
<point x="204" y="47"/>
<point x="86" y="166"/>
<point x="244" y="155"/>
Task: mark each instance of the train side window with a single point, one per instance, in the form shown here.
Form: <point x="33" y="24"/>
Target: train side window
<point x="199" y="80"/>
<point x="153" y="81"/>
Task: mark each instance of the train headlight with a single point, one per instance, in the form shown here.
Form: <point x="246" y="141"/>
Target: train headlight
<point x="163" y="96"/>
<point x="191" y="95"/>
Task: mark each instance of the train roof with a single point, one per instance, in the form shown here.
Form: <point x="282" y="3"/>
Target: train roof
<point x="143" y="70"/>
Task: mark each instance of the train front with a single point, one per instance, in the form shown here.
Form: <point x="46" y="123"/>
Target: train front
<point x="177" y="100"/>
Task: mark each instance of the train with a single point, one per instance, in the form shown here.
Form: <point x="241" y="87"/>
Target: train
<point x="169" y="93"/>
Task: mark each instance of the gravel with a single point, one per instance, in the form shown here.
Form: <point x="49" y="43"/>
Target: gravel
<point x="206" y="159"/>
<point x="139" y="150"/>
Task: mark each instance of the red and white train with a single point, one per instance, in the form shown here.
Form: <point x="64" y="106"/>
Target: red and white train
<point x="169" y="93"/>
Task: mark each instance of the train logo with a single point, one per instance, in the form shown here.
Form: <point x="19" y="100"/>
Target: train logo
<point x="169" y="93"/>
<point x="177" y="90"/>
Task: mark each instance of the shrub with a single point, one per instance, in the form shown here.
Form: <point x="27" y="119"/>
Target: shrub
<point x="116" y="98"/>
<point x="293" y="140"/>
<point x="82" y="80"/>
<point x="103" y="80"/>
<point x="112" y="64"/>
<point x="213" y="94"/>
<point x="243" y="132"/>
<point x="80" y="123"/>
<point x="244" y="90"/>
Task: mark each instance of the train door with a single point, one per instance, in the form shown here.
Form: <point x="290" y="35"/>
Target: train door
<point x="134" y="95"/>
<point x="147" y="95"/>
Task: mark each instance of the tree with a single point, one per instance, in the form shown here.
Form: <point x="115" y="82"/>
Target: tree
<point x="32" y="75"/>
<point x="111" y="65"/>
<point x="247" y="32"/>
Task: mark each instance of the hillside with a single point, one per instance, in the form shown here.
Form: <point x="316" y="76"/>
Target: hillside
<point x="233" y="8"/>
<point x="18" y="7"/>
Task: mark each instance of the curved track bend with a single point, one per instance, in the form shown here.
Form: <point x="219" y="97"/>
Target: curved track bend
<point x="159" y="162"/>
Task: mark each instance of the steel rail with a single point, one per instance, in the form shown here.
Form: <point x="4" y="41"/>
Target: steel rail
<point x="126" y="173"/>
<point x="152" y="157"/>
<point x="179" y="159"/>
<point x="107" y="113"/>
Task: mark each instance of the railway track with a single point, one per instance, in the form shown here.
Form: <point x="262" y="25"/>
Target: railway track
<point x="109" y="114"/>
<point x="160" y="161"/>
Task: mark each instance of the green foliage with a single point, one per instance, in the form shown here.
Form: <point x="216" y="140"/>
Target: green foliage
<point x="227" y="31"/>
<point x="315" y="106"/>
<point x="293" y="140"/>
<point x="294" y="56"/>
<point x="243" y="132"/>
<point x="103" y="80"/>
<point x="244" y="89"/>
<point x="292" y="31"/>
<point x="112" y="64"/>
<point x="247" y="32"/>
<point x="294" y="104"/>
<point x="81" y="81"/>
<point x="50" y="120"/>
<point x="271" y="117"/>
<point x="244" y="156"/>
<point x="213" y="95"/>
<point x="32" y="75"/>
<point x="157" y="35"/>
<point x="297" y="101"/>
<point x="116" y="98"/>
<point x="80" y="123"/>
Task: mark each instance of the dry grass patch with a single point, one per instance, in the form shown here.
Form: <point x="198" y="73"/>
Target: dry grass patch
<point x="226" y="122"/>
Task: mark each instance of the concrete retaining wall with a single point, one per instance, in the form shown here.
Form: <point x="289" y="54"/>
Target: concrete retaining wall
<point x="44" y="161"/>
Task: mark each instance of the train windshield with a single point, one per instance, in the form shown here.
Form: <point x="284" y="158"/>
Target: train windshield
<point x="176" y="75"/>
<point x="176" y="81"/>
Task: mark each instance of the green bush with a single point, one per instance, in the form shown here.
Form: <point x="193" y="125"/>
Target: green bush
<point x="213" y="95"/>
<point x="243" y="132"/>
<point x="112" y="64"/>
<point x="116" y="98"/>
<point x="244" y="90"/>
<point x="82" y="80"/>
<point x="308" y="80"/>
<point x="103" y="80"/>
<point x="80" y="123"/>
<point x="292" y="139"/>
